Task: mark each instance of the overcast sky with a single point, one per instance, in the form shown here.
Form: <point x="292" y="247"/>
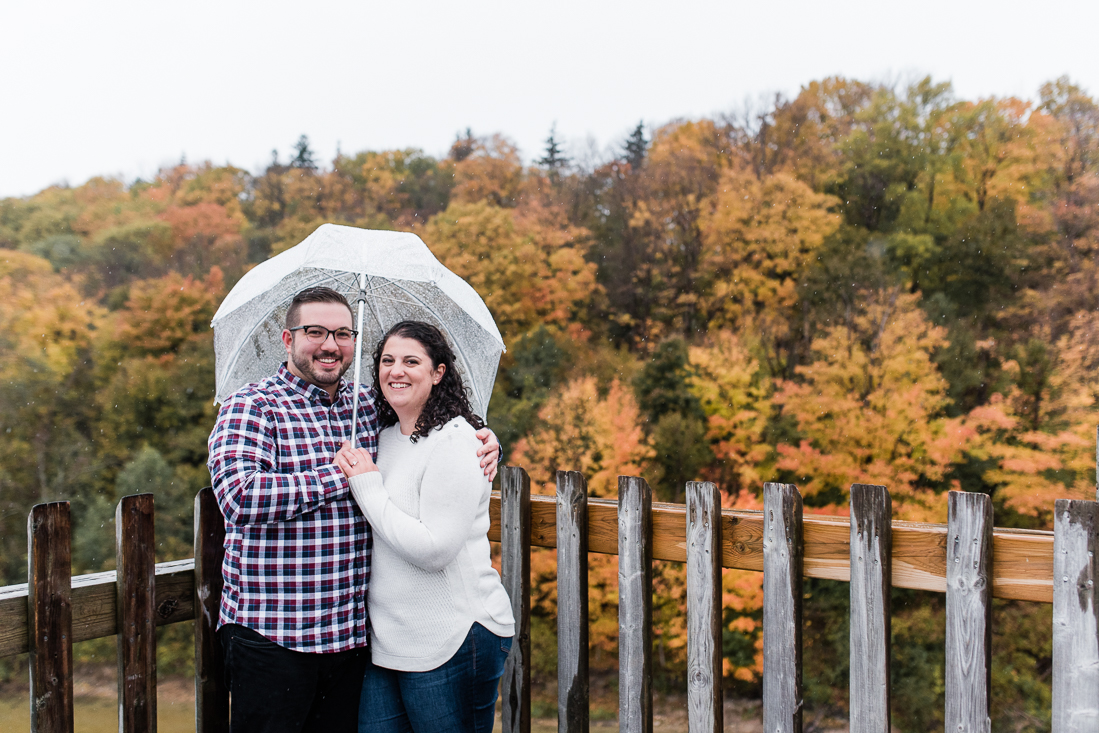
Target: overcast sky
<point x="122" y="88"/>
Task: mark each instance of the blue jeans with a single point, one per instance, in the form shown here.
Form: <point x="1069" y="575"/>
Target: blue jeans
<point x="458" y="697"/>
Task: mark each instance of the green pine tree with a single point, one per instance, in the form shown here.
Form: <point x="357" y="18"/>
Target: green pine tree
<point x="554" y="159"/>
<point x="636" y="146"/>
<point x="304" y="158"/>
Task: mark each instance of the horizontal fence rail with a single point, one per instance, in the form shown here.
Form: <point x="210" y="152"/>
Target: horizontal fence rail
<point x="95" y="605"/>
<point x="1022" y="568"/>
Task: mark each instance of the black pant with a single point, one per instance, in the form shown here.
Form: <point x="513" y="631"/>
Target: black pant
<point x="277" y="690"/>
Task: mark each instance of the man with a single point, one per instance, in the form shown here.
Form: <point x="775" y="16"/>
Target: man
<point x="293" y="622"/>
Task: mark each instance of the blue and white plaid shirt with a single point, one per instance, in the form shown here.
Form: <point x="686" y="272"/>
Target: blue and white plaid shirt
<point x="297" y="548"/>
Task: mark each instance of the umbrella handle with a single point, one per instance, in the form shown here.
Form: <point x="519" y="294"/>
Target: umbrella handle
<point x="358" y="360"/>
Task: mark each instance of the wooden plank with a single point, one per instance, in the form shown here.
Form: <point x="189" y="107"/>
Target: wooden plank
<point x="572" y="602"/>
<point x="49" y="609"/>
<point x="871" y="514"/>
<point x="135" y="542"/>
<point x="969" y="613"/>
<point x="1022" y="567"/>
<point x="1075" y="628"/>
<point x="704" y="698"/>
<point x="211" y="692"/>
<point x="515" y="563"/>
<point x="635" y="605"/>
<point x="94" y="602"/>
<point x="782" y="596"/>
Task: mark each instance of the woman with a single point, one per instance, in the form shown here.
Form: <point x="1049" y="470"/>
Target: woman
<point x="441" y="622"/>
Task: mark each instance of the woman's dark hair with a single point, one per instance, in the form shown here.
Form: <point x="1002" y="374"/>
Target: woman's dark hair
<point x="448" y="398"/>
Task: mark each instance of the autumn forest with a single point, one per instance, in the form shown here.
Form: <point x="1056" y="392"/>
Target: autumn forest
<point x="862" y="283"/>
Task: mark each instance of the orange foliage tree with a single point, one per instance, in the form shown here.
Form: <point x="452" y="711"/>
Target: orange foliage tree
<point x="1042" y="445"/>
<point x="600" y="436"/>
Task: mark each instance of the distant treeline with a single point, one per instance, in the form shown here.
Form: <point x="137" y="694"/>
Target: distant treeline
<point x="860" y="284"/>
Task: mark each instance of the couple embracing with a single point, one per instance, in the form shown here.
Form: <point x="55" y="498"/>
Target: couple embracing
<point x="359" y="592"/>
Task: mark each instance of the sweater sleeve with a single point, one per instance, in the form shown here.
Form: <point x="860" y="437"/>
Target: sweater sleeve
<point x="450" y="493"/>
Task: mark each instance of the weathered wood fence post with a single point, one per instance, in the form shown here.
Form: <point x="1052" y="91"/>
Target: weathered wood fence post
<point x="49" y="617"/>
<point x="572" y="602"/>
<point x="704" y="700"/>
<point x="968" y="612"/>
<point x="871" y="587"/>
<point x="515" y="564"/>
<point x="635" y="605"/>
<point x="135" y="540"/>
<point x="211" y="694"/>
<point x="782" y="598"/>
<point x="1075" y="631"/>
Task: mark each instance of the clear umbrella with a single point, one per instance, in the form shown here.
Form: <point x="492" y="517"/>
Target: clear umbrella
<point x="388" y="277"/>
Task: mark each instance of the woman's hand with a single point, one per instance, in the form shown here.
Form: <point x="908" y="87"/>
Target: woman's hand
<point x="489" y="452"/>
<point x="353" y="461"/>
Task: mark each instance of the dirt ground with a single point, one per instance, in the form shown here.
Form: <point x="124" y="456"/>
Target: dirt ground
<point x="96" y="693"/>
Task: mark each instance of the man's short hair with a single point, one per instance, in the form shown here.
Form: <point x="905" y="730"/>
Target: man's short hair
<point x="313" y="295"/>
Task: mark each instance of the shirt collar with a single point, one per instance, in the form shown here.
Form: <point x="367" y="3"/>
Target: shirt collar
<point x="310" y="391"/>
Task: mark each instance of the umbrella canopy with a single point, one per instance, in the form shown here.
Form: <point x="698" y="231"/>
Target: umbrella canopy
<point x="402" y="281"/>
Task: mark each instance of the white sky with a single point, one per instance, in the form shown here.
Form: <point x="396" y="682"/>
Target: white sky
<point x="122" y="88"/>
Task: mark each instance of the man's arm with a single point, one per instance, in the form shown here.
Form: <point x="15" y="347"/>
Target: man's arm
<point x="242" y="470"/>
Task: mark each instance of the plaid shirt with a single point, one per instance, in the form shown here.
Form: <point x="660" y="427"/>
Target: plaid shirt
<point x="297" y="548"/>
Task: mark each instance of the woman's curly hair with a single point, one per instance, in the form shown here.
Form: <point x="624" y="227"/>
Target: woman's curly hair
<point x="448" y="398"/>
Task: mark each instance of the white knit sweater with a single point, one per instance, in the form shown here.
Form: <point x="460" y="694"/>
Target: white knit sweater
<point x="431" y="573"/>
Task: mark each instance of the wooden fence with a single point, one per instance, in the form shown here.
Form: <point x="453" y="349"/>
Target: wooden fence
<point x="967" y="559"/>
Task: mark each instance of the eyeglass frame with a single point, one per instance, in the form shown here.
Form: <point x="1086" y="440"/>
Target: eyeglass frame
<point x="328" y="332"/>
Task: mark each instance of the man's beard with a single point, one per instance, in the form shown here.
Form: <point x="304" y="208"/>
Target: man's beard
<point x="321" y="379"/>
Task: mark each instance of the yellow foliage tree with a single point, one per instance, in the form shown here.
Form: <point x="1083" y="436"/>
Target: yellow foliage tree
<point x="759" y="234"/>
<point x="870" y="408"/>
<point x="684" y="166"/>
<point x="489" y="171"/>
<point x="736" y="397"/>
<point x="47" y="331"/>
<point x="529" y="272"/>
<point x="1001" y="150"/>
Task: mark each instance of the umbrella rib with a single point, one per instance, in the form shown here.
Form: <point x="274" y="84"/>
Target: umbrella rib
<point x="457" y="346"/>
<point x="370" y="284"/>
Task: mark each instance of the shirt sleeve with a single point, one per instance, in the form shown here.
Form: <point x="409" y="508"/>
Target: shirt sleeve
<point x="242" y="469"/>
<point x="450" y="494"/>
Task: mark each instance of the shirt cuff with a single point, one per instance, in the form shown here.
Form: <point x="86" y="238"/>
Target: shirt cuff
<point x="333" y="483"/>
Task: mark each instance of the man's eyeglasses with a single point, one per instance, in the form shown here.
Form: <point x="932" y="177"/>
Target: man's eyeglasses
<point x="319" y="334"/>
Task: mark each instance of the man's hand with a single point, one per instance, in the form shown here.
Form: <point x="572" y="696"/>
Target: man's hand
<point x="353" y="461"/>
<point x="490" y="452"/>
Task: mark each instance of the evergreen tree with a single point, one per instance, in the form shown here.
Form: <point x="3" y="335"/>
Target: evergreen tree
<point x="554" y="159"/>
<point x="636" y="145"/>
<point x="305" y="157"/>
<point x="464" y="144"/>
<point x="662" y="385"/>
